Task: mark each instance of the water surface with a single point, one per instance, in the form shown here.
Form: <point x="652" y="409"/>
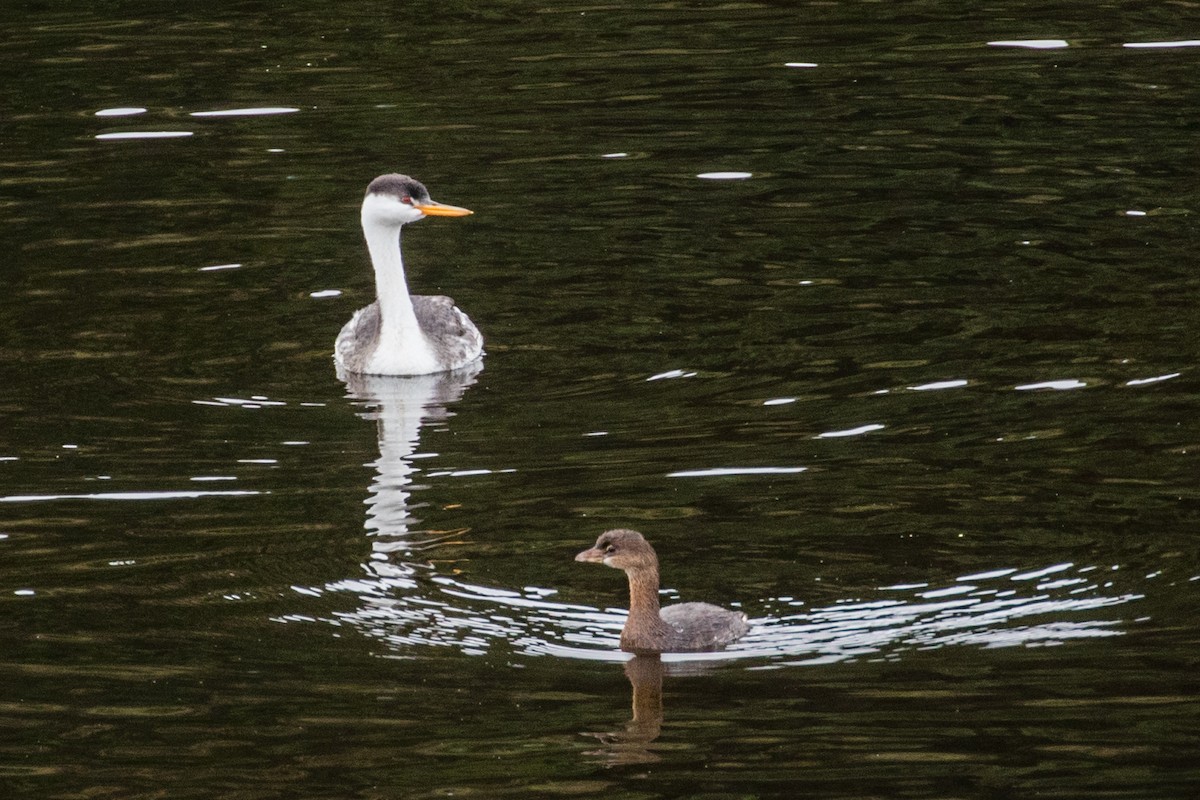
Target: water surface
<point x="878" y="320"/>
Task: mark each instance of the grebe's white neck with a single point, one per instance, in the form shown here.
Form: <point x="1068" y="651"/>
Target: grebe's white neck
<point x="391" y="285"/>
<point x="402" y="348"/>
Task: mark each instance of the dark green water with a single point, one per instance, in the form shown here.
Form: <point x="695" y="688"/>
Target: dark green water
<point x="919" y="395"/>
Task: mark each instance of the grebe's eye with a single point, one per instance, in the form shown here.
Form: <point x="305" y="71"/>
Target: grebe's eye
<point x="406" y="200"/>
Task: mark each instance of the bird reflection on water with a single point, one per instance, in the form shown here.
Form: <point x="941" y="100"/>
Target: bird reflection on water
<point x="400" y="407"/>
<point x="631" y="745"/>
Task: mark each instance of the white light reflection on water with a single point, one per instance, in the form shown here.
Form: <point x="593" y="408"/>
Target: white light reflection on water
<point x="144" y="135"/>
<point x="246" y="112"/>
<point x="410" y="606"/>
<point x="722" y="471"/>
<point x="1155" y="379"/>
<point x="1158" y="45"/>
<point x="860" y="430"/>
<point x="1031" y="44"/>
<point x="467" y="473"/>
<point x="252" y="403"/>
<point x="1055" y="385"/>
<point x="671" y="373"/>
<point x="936" y="385"/>
<point x="188" y="495"/>
<point x="1041" y="573"/>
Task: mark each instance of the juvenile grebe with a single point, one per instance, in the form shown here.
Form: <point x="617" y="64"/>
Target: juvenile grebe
<point x="400" y="334"/>
<point x="679" y="628"/>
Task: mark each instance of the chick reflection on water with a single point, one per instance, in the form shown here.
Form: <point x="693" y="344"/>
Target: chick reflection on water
<point x="403" y="334"/>
<point x="631" y="745"/>
<point x="680" y="628"/>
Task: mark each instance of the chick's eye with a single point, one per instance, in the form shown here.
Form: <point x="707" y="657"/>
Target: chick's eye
<point x="406" y="200"/>
<point x="610" y="548"/>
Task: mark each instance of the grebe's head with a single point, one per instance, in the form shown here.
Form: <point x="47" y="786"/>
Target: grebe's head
<point x="621" y="549"/>
<point x="395" y="200"/>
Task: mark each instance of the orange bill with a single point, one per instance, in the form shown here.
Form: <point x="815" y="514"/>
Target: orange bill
<point x="435" y="209"/>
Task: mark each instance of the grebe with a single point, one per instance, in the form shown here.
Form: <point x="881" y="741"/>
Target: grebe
<point x="675" y="629"/>
<point x="402" y="334"/>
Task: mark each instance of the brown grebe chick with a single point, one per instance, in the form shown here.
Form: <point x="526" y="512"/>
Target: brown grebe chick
<point x="680" y="628"/>
<point x="402" y="334"/>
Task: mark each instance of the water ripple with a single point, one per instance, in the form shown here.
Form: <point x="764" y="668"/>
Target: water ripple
<point x="408" y="606"/>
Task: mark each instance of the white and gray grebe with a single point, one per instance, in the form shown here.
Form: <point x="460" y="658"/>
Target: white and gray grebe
<point x="403" y="334"/>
